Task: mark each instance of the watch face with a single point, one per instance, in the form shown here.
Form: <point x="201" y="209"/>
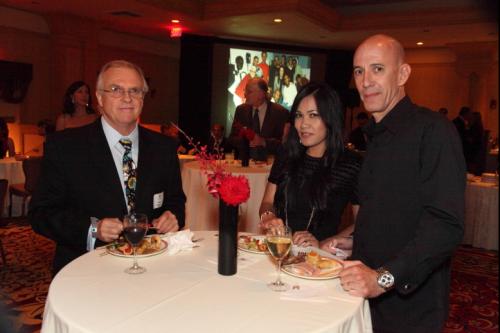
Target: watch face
<point x="385" y="280"/>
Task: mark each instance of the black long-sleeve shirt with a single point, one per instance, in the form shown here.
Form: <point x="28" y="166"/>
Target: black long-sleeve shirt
<point x="411" y="191"/>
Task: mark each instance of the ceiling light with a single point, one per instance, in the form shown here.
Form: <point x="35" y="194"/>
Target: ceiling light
<point x="420" y="43"/>
<point x="175" y="21"/>
<point x="277" y="20"/>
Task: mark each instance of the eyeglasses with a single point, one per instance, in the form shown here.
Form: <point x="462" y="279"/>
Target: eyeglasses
<point x="119" y="92"/>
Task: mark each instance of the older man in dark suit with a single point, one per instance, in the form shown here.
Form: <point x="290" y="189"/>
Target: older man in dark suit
<point x="267" y="119"/>
<point x="93" y="175"/>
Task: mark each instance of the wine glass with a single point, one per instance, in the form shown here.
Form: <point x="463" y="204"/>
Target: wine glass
<point x="135" y="226"/>
<point x="279" y="242"/>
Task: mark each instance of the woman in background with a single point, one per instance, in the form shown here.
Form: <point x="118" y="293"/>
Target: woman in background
<point x="77" y="107"/>
<point x="6" y="143"/>
<point x="313" y="178"/>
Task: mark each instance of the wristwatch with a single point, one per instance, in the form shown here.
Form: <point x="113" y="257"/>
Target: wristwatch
<point x="385" y="279"/>
<point x="94" y="221"/>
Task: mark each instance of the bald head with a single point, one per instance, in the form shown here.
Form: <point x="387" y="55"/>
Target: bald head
<point x="380" y="73"/>
<point x="389" y="44"/>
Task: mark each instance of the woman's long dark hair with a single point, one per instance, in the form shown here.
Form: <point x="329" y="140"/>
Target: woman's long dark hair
<point x="330" y="110"/>
<point x="68" y="105"/>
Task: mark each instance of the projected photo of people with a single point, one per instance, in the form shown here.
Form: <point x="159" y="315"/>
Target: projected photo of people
<point x="285" y="73"/>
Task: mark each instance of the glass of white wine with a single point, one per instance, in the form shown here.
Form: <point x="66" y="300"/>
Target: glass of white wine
<point x="279" y="242"/>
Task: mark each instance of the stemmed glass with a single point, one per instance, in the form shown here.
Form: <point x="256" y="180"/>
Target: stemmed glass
<point x="135" y="226"/>
<point x="279" y="242"/>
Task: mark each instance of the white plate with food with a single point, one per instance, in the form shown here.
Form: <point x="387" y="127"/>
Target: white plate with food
<point x="253" y="244"/>
<point x="149" y="246"/>
<point x="339" y="253"/>
<point x="312" y="266"/>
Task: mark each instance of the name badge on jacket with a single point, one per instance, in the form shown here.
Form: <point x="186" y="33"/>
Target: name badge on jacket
<point x="157" y="200"/>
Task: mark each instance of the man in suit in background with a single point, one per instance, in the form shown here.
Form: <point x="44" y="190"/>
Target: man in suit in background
<point x="94" y="175"/>
<point x="462" y="123"/>
<point x="217" y="140"/>
<point x="357" y="136"/>
<point x="267" y="120"/>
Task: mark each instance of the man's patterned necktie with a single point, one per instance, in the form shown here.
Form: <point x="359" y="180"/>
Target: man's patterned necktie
<point x="129" y="174"/>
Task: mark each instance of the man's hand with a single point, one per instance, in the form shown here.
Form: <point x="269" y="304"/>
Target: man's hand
<point x="360" y="280"/>
<point x="304" y="238"/>
<point x="109" y="229"/>
<point x="167" y="222"/>
<point x="257" y="141"/>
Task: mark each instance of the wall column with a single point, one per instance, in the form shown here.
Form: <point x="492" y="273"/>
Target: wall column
<point x="74" y="54"/>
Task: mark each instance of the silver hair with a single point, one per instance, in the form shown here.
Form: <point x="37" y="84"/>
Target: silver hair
<point x="121" y="64"/>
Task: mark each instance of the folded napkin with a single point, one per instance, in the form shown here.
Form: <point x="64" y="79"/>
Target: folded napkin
<point x="306" y="293"/>
<point x="179" y="241"/>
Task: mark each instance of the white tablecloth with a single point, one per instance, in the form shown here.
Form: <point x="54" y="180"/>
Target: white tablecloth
<point x="202" y="210"/>
<point x="481" y="215"/>
<point x="12" y="170"/>
<point x="183" y="159"/>
<point x="184" y="293"/>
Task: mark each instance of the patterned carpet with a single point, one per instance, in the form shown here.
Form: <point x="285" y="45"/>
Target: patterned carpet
<point x="26" y="277"/>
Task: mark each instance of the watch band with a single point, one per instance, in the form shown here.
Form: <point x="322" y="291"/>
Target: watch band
<point x="94" y="221"/>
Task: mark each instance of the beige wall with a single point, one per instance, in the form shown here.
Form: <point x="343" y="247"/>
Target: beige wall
<point x="64" y="49"/>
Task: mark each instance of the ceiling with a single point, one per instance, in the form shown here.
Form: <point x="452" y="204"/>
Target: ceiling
<point x="313" y="23"/>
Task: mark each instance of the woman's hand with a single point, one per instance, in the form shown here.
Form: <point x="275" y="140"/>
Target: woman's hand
<point x="270" y="221"/>
<point x="333" y="243"/>
<point x="304" y="238"/>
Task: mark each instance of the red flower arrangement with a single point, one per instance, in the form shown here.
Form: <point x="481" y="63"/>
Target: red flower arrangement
<point x="233" y="190"/>
<point x="244" y="132"/>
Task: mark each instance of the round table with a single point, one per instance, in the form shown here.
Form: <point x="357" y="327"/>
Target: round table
<point x="481" y="215"/>
<point x="202" y="209"/>
<point x="183" y="159"/>
<point x="184" y="293"/>
<point x="12" y="170"/>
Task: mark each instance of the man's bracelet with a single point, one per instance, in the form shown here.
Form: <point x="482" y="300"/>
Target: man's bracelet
<point x="267" y="212"/>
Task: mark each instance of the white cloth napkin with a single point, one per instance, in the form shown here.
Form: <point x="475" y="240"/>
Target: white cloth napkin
<point x="306" y="293"/>
<point x="179" y="241"/>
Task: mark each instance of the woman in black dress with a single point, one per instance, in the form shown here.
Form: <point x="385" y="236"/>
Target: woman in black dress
<point x="313" y="177"/>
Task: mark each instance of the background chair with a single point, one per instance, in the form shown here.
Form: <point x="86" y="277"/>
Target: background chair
<point x="4" y="183"/>
<point x="31" y="169"/>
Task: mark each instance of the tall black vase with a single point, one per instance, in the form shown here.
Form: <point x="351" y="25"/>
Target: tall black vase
<point x="244" y="154"/>
<point x="228" y="237"/>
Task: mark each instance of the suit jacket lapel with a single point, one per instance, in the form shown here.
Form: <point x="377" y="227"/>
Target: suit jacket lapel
<point x="105" y="168"/>
<point x="144" y="174"/>
<point x="267" y="119"/>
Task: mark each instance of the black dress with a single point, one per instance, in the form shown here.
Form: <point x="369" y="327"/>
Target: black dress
<point x="340" y="187"/>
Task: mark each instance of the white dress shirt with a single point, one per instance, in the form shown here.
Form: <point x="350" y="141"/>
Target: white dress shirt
<point x="113" y="137"/>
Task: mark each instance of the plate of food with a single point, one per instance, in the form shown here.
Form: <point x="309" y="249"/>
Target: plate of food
<point x="149" y="246"/>
<point x="339" y="253"/>
<point x="312" y="266"/>
<point x="253" y="243"/>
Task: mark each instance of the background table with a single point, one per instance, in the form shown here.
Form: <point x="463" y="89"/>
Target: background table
<point x="481" y="215"/>
<point x="184" y="293"/>
<point x="12" y="170"/>
<point x="202" y="210"/>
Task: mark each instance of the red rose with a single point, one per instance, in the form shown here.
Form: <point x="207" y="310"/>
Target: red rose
<point x="234" y="190"/>
<point x="247" y="133"/>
